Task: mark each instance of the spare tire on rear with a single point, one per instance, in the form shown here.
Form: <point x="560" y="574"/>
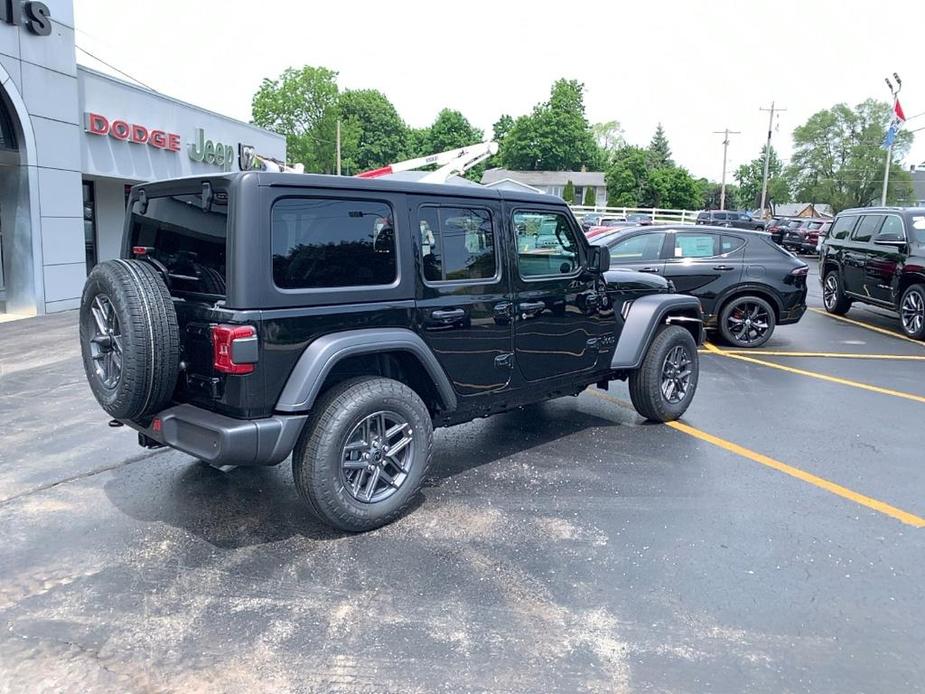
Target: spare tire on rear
<point x="129" y="338"/>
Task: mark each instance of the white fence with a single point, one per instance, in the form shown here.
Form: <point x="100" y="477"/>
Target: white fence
<point x="657" y="215"/>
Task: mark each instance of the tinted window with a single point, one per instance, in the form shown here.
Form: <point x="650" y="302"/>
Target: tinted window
<point x="892" y="227"/>
<point x="332" y="243"/>
<point x="546" y="244"/>
<point x="918" y="228"/>
<point x="842" y="227"/>
<point x="812" y="226"/>
<point x="456" y="243"/>
<point x="640" y="247"/>
<point x="691" y="245"/>
<point x="187" y="239"/>
<point x="703" y="216"/>
<point x="728" y="244"/>
<point x="867" y="227"/>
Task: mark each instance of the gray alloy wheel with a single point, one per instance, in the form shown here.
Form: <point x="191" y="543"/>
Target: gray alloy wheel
<point x="912" y="311"/>
<point x="830" y="291"/>
<point x="377" y="457"/>
<point x="747" y="322"/>
<point x="104" y="341"/>
<point x="676" y="374"/>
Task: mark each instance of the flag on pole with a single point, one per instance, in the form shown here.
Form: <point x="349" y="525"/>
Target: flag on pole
<point x="898" y="119"/>
<point x="898" y="111"/>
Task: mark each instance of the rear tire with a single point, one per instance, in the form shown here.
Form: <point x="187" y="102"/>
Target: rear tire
<point x="672" y="352"/>
<point x="833" y="296"/>
<point x="747" y="321"/>
<point x="912" y="311"/>
<point x="129" y="338"/>
<point x="354" y="475"/>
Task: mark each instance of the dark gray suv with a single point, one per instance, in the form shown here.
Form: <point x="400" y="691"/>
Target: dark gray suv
<point x="735" y="220"/>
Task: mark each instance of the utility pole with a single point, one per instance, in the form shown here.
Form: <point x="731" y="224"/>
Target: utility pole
<point x="337" y="145"/>
<point x="767" y="155"/>
<point x="889" y="149"/>
<point x="726" y="132"/>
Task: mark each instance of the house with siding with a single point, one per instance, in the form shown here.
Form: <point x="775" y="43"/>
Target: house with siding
<point x="551" y="182"/>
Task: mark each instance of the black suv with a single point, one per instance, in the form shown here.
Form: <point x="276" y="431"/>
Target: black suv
<point x="257" y="315"/>
<point x="876" y="255"/>
<point x="734" y="220"/>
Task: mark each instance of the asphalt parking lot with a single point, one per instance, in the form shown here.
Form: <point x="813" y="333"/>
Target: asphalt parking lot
<point x="773" y="540"/>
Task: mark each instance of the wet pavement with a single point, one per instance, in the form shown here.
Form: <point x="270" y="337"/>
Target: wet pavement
<point x="565" y="547"/>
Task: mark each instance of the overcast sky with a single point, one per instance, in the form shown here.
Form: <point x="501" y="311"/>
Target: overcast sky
<point x="696" y="66"/>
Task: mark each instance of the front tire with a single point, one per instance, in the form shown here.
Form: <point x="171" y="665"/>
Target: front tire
<point x="833" y="296"/>
<point x="663" y="387"/>
<point x="912" y="312"/>
<point x="364" y="453"/>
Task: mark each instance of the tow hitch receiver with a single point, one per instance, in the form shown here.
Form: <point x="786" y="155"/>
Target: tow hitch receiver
<point x="147" y="442"/>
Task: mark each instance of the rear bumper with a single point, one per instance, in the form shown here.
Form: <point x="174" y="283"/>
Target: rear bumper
<point x="792" y="315"/>
<point x="222" y="440"/>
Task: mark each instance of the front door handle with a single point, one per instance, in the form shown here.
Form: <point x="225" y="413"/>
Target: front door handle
<point x="531" y="306"/>
<point x="449" y="315"/>
<point x="723" y="267"/>
<point x="651" y="268"/>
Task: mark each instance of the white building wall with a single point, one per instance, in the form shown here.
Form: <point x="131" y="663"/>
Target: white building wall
<point x="110" y="213"/>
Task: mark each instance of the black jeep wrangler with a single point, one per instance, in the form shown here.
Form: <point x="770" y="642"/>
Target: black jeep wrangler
<point x="256" y="315"/>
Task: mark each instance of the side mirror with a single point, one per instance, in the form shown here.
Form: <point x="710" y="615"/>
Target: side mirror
<point x="600" y="259"/>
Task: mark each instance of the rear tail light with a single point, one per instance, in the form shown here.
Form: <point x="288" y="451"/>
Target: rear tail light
<point x="234" y="349"/>
<point x="801" y="271"/>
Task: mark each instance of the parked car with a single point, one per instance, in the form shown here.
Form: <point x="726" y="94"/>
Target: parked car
<point x="821" y="236"/>
<point x="587" y="221"/>
<point x="803" y="236"/>
<point x="607" y="224"/>
<point x="640" y="219"/>
<point x="338" y="319"/>
<point x="776" y="227"/>
<point x="735" y="220"/>
<point x="876" y="255"/>
<point x="715" y="264"/>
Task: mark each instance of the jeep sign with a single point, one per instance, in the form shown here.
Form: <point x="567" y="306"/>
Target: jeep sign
<point x="209" y="152"/>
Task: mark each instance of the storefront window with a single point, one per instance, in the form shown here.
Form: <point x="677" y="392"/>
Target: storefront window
<point x="89" y="224"/>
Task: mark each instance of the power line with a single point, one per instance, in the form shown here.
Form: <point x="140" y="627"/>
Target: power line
<point x="113" y="67"/>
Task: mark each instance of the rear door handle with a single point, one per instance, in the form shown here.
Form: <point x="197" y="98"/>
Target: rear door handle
<point x="449" y="315"/>
<point x="723" y="267"/>
<point x="651" y="268"/>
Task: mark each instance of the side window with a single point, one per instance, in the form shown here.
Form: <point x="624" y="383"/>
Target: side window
<point x="843" y="226"/>
<point x="457" y="243"/>
<point x="892" y="227"/>
<point x="692" y="245"/>
<point x="639" y="247"/>
<point x="728" y="244"/>
<point x="546" y="244"/>
<point x="867" y="227"/>
<point x="332" y="243"/>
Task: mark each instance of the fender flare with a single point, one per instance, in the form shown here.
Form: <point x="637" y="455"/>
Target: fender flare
<point x="645" y="316"/>
<point x="323" y="354"/>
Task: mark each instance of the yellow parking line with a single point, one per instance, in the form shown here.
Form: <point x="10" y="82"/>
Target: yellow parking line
<point x="821" y="377"/>
<point x="795" y="472"/>
<point x="882" y="331"/>
<point x="826" y="355"/>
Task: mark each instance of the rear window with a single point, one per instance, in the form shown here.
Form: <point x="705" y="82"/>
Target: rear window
<point x="867" y="228"/>
<point x="332" y="243"/>
<point x="457" y="244"/>
<point x="188" y="240"/>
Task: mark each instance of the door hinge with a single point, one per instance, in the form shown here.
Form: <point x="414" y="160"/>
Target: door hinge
<point x="505" y="361"/>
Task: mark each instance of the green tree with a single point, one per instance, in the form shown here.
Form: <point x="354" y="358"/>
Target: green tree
<point x="658" y="153"/>
<point x="609" y="139"/>
<point x="301" y="104"/>
<point x="501" y="128"/>
<point x="711" y="195"/>
<point x="556" y="136"/>
<point x="568" y="192"/>
<point x="626" y="177"/>
<point x="590" y="198"/>
<point x="671" y="187"/>
<point x="749" y="177"/>
<point x="450" y="130"/>
<point x="372" y="132"/>
<point x="838" y="160"/>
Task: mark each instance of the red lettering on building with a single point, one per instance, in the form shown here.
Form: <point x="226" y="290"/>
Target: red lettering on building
<point x="97" y="124"/>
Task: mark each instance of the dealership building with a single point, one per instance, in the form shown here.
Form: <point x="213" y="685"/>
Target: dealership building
<point x="72" y="141"/>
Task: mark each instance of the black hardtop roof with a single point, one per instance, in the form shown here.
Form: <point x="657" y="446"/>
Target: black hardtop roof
<point x="871" y="210"/>
<point x="383" y="183"/>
